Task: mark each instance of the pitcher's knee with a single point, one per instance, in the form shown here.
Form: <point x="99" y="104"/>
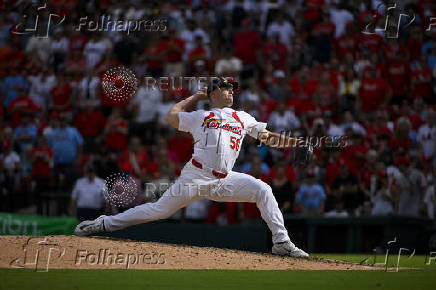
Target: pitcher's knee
<point x="264" y="190"/>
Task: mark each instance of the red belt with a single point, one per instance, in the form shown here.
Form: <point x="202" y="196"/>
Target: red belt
<point x="215" y="173"/>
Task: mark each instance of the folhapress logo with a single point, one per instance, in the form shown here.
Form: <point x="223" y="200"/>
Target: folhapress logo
<point x="38" y="253"/>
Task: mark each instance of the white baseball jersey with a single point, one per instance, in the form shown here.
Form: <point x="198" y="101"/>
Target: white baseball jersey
<point x="218" y="135"/>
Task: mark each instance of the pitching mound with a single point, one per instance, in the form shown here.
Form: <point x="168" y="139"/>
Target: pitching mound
<point x="50" y="252"/>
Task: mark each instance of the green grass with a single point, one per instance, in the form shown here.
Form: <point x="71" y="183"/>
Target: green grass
<point x="422" y="277"/>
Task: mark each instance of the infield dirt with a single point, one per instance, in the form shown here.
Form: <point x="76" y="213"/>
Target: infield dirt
<point x="71" y="252"/>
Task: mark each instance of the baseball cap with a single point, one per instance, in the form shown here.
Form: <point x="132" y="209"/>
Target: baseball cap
<point x="220" y="82"/>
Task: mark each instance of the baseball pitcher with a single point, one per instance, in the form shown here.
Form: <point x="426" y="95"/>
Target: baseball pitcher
<point x="218" y="134"/>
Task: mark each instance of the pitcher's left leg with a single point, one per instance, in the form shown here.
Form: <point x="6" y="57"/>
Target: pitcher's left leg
<point x="240" y="187"/>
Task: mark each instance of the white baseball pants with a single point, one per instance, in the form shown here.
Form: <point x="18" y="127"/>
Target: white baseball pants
<point x="194" y="184"/>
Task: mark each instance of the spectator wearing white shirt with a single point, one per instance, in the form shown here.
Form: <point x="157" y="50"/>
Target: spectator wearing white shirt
<point x="338" y="211"/>
<point x="384" y="202"/>
<point x="145" y="108"/>
<point x="59" y="48"/>
<point x="89" y="88"/>
<point x="94" y="51"/>
<point x="427" y="135"/>
<point x="350" y="123"/>
<point x="340" y="17"/>
<point x="87" y="200"/>
<point x="283" y="120"/>
<point x="11" y="164"/>
<point x="283" y="28"/>
<point x="228" y="64"/>
<point x="40" y="88"/>
<point x="40" y="45"/>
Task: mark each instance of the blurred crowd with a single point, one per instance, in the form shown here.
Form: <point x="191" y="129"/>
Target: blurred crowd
<point x="306" y="67"/>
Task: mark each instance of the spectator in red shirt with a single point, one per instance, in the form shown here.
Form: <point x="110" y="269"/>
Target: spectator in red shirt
<point x="116" y="132"/>
<point x="275" y="52"/>
<point x="374" y="93"/>
<point x="21" y="105"/>
<point x="223" y="213"/>
<point x="322" y="38"/>
<point x="395" y="51"/>
<point x="246" y="44"/>
<point x="42" y="158"/>
<point x="199" y="52"/>
<point x="415" y="42"/>
<point x="90" y="124"/>
<point x="62" y="96"/>
<point x="171" y="49"/>
<point x="347" y="43"/>
<point x="153" y="58"/>
<point x="303" y="86"/>
<point x="77" y="41"/>
<point x="371" y="41"/>
<point x="135" y="160"/>
<point x="398" y="73"/>
<point x="422" y="81"/>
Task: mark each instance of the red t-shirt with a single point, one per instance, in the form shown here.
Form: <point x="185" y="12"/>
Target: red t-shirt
<point x="62" y="95"/>
<point x="172" y="54"/>
<point x="401" y="144"/>
<point x="114" y="139"/>
<point x="324" y="28"/>
<point x="41" y="167"/>
<point x="352" y="161"/>
<point x="371" y="41"/>
<point x="306" y="89"/>
<point x="266" y="107"/>
<point x="416" y="121"/>
<point x="77" y="42"/>
<point x="276" y="54"/>
<point x="415" y="47"/>
<point x="245" y="46"/>
<point x="399" y="77"/>
<point x="422" y="89"/>
<point x="312" y="12"/>
<point x="290" y="172"/>
<point x="373" y="93"/>
<point x="18" y="105"/>
<point x="152" y="50"/>
<point x="392" y="52"/>
<point x="345" y="44"/>
<point x="141" y="158"/>
<point x="229" y="211"/>
<point x="90" y="124"/>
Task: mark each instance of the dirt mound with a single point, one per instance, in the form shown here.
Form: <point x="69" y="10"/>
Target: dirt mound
<point x="50" y="252"/>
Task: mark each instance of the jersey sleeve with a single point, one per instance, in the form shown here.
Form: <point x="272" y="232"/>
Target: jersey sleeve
<point x="253" y="127"/>
<point x="188" y="120"/>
